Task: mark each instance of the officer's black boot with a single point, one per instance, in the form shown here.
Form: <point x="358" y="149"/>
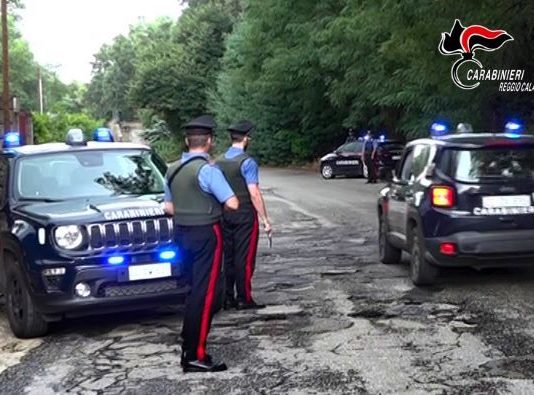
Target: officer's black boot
<point x="192" y="365"/>
<point x="229" y="302"/>
<point x="242" y="305"/>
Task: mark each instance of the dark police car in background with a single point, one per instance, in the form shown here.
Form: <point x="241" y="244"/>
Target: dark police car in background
<point x="347" y="159"/>
<point x="460" y="200"/>
<point x="83" y="231"/>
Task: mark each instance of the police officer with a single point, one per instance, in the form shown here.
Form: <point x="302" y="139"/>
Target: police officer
<point x="197" y="192"/>
<point x="369" y="157"/>
<point x="241" y="227"/>
<point x="351" y="136"/>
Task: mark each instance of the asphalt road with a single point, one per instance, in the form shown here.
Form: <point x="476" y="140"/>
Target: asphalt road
<point x="338" y="321"/>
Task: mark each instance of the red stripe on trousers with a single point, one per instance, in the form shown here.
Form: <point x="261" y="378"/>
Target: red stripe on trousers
<point x="208" y="302"/>
<point x="250" y="259"/>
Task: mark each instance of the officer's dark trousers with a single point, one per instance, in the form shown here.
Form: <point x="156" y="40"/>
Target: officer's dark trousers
<point x="202" y="251"/>
<point x="371" y="169"/>
<point x="241" y="232"/>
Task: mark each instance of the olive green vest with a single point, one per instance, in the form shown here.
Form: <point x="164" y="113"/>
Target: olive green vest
<point x="232" y="171"/>
<point x="192" y="206"/>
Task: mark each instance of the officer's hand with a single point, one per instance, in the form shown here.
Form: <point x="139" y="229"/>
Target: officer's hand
<point x="268" y="227"/>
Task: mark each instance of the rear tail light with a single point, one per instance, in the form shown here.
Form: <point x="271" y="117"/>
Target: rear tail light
<point x="448" y="248"/>
<point x="443" y="196"/>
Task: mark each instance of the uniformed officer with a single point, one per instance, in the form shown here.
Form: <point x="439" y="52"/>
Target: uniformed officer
<point x="369" y="157"/>
<point x="351" y="136"/>
<point x="241" y="227"/>
<point x="197" y="192"/>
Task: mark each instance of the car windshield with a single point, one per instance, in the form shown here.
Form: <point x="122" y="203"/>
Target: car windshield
<point x="489" y="164"/>
<point x="77" y="174"/>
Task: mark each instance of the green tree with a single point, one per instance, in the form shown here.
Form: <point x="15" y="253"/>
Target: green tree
<point x="175" y="78"/>
<point x="303" y="70"/>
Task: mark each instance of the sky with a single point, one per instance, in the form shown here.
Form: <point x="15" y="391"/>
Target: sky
<point x="67" y="33"/>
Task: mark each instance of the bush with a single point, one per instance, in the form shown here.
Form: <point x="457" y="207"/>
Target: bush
<point x="53" y="127"/>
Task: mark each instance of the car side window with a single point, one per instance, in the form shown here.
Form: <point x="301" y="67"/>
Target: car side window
<point x="407" y="165"/>
<point x="159" y="162"/>
<point x="421" y="153"/>
<point x="415" y="162"/>
<point x="350" y="147"/>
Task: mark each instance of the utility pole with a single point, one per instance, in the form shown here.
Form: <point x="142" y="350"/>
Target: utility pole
<point x="5" y="68"/>
<point x="40" y="78"/>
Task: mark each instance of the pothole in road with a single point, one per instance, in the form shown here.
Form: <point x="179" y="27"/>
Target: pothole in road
<point x="450" y="314"/>
<point x="513" y="367"/>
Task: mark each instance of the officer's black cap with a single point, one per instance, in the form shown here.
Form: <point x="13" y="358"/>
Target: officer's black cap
<point x="201" y="125"/>
<point x="242" y="127"/>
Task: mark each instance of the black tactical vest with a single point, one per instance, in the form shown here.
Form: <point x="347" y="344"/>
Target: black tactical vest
<point x="232" y="171"/>
<point x="192" y="206"/>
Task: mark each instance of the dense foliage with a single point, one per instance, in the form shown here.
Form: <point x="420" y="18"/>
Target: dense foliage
<point x="304" y="70"/>
<point x="50" y="127"/>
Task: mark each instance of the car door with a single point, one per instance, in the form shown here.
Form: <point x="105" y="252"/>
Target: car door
<point x="404" y="188"/>
<point x="397" y="193"/>
<point x="348" y="161"/>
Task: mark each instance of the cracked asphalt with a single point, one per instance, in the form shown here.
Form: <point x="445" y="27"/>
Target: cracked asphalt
<point x="338" y="321"/>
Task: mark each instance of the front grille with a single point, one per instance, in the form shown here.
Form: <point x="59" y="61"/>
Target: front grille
<point x="111" y="290"/>
<point x="130" y="233"/>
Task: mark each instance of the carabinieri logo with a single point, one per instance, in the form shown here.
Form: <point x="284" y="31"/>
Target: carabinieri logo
<point x="465" y="41"/>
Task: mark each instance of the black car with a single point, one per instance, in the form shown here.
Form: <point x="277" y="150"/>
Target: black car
<point x="83" y="232"/>
<point x="460" y="200"/>
<point x="347" y="159"/>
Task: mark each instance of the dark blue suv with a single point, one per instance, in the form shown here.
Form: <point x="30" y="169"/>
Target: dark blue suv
<point x="460" y="200"/>
<point x="82" y="231"/>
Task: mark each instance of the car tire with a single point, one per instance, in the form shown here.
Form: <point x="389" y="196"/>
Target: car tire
<point x="388" y="253"/>
<point x="422" y="272"/>
<point x="327" y="171"/>
<point x="24" y="320"/>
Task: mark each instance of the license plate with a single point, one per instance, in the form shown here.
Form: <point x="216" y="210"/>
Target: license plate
<point x="396" y="157"/>
<point x="147" y="272"/>
<point x="506" y="201"/>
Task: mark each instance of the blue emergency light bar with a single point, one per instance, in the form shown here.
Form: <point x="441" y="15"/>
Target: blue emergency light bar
<point x="11" y="139"/>
<point x="438" y="129"/>
<point x="103" y="135"/>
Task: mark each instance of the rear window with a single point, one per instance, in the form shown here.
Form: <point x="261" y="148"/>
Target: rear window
<point x="489" y="164"/>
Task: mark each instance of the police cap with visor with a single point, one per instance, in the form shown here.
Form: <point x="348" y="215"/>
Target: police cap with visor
<point x="202" y="125"/>
<point x="242" y="127"/>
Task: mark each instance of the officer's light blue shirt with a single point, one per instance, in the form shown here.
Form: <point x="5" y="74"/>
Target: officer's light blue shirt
<point x="210" y="179"/>
<point x="249" y="167"/>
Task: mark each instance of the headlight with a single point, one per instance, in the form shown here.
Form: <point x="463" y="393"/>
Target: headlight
<point x="69" y="237"/>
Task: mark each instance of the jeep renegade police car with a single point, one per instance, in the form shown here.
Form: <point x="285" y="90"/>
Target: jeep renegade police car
<point x="460" y="200"/>
<point x="83" y="231"/>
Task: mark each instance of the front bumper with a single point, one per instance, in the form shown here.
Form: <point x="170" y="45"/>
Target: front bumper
<point x="111" y="289"/>
<point x="484" y="249"/>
